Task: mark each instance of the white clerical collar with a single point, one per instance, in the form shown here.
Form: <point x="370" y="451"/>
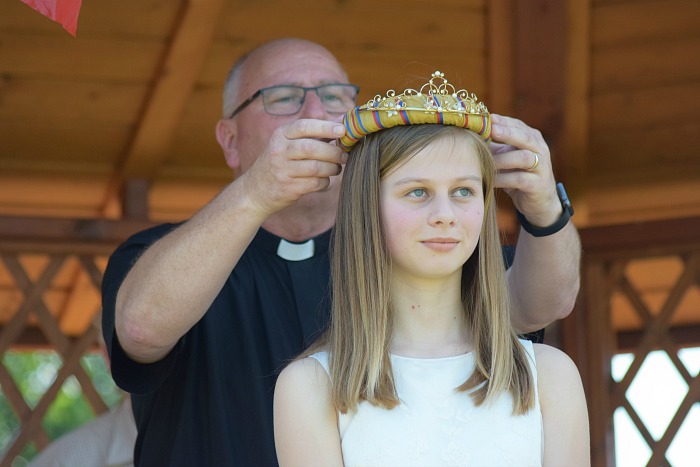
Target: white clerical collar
<point x="295" y="251"/>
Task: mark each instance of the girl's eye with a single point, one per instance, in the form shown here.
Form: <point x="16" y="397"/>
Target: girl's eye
<point x="462" y="192"/>
<point x="417" y="193"/>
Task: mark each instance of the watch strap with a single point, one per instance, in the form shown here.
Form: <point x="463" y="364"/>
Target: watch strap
<point x="567" y="212"/>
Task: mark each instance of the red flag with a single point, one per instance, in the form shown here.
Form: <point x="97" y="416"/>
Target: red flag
<point x="62" y="11"/>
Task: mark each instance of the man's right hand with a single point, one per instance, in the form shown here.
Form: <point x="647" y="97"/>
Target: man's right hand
<point x="300" y="158"/>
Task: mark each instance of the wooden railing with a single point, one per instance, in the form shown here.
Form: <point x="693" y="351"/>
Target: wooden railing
<point x="50" y="277"/>
<point x="611" y="255"/>
<point x="588" y="335"/>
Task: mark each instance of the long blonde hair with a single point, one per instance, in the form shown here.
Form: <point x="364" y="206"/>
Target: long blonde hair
<point x="361" y="324"/>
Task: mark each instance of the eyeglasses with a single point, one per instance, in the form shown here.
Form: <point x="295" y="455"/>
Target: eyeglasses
<point x="288" y="100"/>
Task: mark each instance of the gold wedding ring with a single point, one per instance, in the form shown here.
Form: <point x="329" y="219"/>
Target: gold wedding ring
<point x="534" y="164"/>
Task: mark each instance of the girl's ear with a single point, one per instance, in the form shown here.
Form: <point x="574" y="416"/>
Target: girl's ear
<point x="226" y="131"/>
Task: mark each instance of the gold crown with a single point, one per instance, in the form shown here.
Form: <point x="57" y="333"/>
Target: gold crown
<point x="437" y="95"/>
<point x="437" y="102"/>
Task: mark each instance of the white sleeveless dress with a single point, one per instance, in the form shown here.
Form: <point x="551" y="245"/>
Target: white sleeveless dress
<point x="434" y="425"/>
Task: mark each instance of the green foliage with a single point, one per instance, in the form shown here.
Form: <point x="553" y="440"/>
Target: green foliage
<point x="34" y="373"/>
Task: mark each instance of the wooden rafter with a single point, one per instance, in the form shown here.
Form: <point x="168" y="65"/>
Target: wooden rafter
<point x="79" y="236"/>
<point x="577" y="112"/>
<point x="175" y="79"/>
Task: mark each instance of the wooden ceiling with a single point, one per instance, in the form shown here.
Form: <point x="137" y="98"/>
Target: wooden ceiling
<point x="130" y="105"/>
<point x="137" y="94"/>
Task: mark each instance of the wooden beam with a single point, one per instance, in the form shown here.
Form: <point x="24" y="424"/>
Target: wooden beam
<point x="648" y="237"/>
<point x="134" y="196"/>
<point x="576" y="113"/>
<point x="540" y="71"/>
<point x="597" y="375"/>
<point x="683" y="336"/>
<point x="174" y="81"/>
<point x="43" y="234"/>
<point x="500" y="45"/>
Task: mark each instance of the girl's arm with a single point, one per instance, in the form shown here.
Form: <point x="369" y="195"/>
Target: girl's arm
<point x="564" y="412"/>
<point x="306" y="422"/>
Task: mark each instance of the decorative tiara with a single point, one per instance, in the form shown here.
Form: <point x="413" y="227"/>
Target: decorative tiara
<point x="436" y="102"/>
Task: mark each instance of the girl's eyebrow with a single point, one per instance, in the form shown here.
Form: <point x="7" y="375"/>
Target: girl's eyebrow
<point x="411" y="180"/>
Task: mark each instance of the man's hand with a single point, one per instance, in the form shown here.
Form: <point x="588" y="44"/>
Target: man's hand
<point x="300" y="158"/>
<point x="525" y="170"/>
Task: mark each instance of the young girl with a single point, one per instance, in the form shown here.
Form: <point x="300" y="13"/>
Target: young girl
<point x="420" y="365"/>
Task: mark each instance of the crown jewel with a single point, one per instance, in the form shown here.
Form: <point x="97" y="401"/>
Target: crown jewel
<point x="437" y="102"/>
<point x="437" y="95"/>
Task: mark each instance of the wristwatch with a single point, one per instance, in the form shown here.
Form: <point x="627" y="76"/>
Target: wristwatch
<point x="558" y="224"/>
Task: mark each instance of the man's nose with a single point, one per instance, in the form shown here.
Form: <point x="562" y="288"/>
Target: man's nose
<point x="312" y="107"/>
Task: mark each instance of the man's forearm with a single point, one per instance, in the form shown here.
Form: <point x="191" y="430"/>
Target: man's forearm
<point x="545" y="277"/>
<point x="171" y="286"/>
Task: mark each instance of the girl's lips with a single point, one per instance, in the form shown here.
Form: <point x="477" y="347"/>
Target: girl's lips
<point x="441" y="244"/>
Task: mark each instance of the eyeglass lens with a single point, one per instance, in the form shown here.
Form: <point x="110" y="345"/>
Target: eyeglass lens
<point x="288" y="100"/>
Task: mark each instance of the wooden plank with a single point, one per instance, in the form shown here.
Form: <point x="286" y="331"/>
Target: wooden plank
<point x="176" y="201"/>
<point x="85" y="147"/>
<point x="642" y="22"/>
<point x="138" y="18"/>
<point x="413" y="32"/>
<point x="596" y="376"/>
<point x="658" y="106"/>
<point x="663" y="147"/>
<point x="687" y="336"/>
<point x="60" y="194"/>
<point x="376" y="74"/>
<point x="364" y="7"/>
<point x="500" y="53"/>
<point x="112" y="60"/>
<point x="186" y="190"/>
<point x="101" y="235"/>
<point x="577" y="108"/>
<point x="646" y="65"/>
<point x="83" y="103"/>
<point x="195" y="133"/>
<point x="540" y="77"/>
<point x="631" y="174"/>
<point x="134" y="196"/>
<point x="663" y="197"/>
<point x="366" y="64"/>
<point x="640" y="236"/>
<point x="134" y="19"/>
<point x="319" y="20"/>
<point x="176" y="78"/>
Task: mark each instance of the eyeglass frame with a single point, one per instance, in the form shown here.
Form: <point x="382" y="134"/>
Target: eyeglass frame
<point x="260" y="91"/>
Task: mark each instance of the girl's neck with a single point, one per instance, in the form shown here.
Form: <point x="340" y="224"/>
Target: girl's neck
<point x="429" y="319"/>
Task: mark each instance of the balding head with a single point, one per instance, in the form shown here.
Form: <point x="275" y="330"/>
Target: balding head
<point x="257" y="68"/>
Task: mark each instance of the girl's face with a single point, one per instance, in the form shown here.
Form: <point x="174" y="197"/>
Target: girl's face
<point x="432" y="209"/>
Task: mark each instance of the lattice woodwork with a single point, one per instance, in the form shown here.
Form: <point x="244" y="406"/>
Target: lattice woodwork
<point x="34" y="312"/>
<point x="608" y="271"/>
<point x="50" y="277"/>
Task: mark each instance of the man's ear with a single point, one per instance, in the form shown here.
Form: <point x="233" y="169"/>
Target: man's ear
<point x="226" y="131"/>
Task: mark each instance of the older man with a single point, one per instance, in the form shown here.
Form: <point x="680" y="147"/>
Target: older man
<point x="200" y="316"/>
